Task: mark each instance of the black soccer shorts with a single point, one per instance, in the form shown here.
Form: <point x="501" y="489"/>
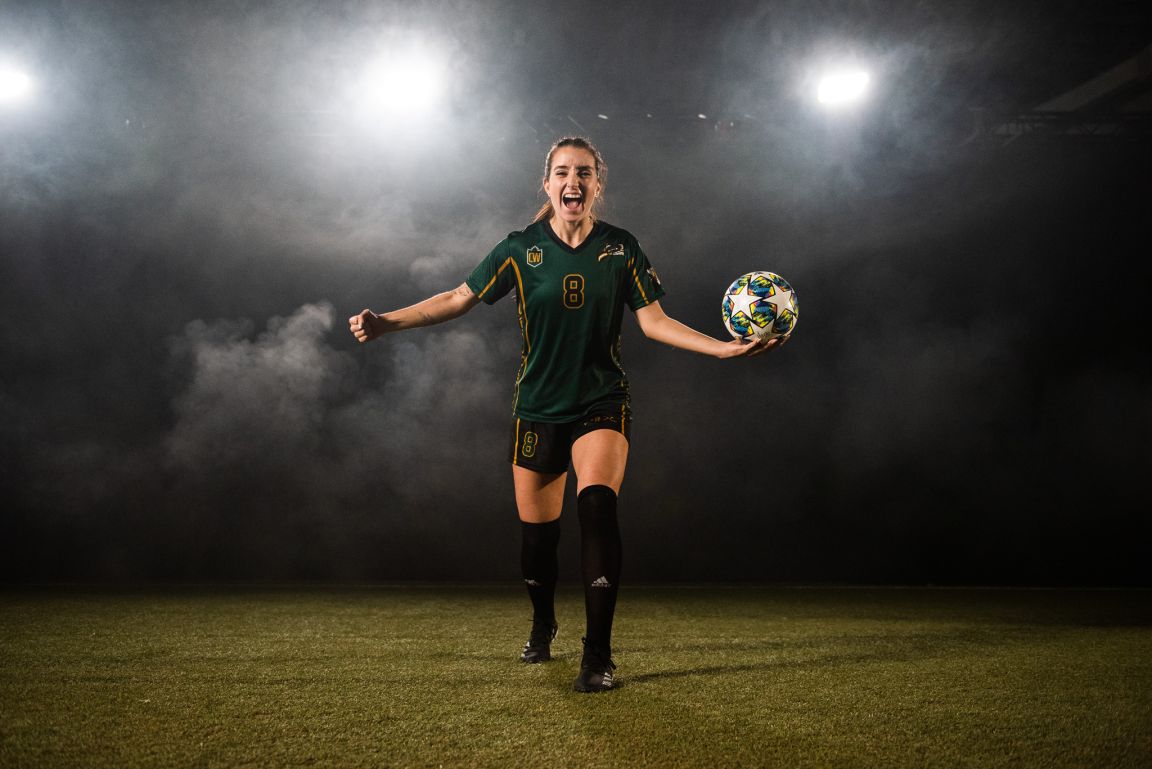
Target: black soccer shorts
<point x="546" y="447"/>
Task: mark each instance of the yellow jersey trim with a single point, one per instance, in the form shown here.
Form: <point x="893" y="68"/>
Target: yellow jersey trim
<point x="636" y="279"/>
<point x="497" y="275"/>
<point x="523" y="306"/>
<point x="522" y="311"/>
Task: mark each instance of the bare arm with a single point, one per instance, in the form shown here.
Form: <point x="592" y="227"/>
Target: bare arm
<point x="658" y="326"/>
<point x="435" y="309"/>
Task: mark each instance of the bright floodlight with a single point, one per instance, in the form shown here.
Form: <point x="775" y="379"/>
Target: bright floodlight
<point x="15" y="86"/>
<point x="841" y="88"/>
<point x="402" y="83"/>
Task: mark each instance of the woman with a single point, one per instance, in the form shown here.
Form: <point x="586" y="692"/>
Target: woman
<point x="571" y="276"/>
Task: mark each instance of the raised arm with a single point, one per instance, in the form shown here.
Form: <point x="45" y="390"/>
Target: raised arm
<point x="435" y="309"/>
<point x="656" y="325"/>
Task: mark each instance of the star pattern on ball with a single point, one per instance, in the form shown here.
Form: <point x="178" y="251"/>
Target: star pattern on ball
<point x="789" y="302"/>
<point x="744" y="302"/>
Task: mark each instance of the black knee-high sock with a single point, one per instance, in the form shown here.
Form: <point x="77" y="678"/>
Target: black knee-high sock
<point x="539" y="566"/>
<point x="599" y="560"/>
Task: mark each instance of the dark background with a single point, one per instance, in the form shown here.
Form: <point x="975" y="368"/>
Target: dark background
<point x="190" y="208"/>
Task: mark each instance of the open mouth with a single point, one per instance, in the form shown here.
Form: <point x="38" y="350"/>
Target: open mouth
<point x="572" y="201"/>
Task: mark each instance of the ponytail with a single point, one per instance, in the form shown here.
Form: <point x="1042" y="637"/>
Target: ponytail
<point x="545" y="212"/>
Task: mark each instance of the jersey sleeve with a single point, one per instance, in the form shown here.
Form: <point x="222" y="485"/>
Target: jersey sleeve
<point x="644" y="286"/>
<point x="493" y="277"/>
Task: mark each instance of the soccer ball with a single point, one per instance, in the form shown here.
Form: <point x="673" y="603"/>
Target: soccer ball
<point x="760" y="305"/>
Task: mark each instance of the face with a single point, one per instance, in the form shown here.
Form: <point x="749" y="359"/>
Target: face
<point x="573" y="184"/>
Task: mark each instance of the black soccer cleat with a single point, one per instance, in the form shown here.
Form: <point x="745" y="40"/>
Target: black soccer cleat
<point x="596" y="668"/>
<point x="539" y="646"/>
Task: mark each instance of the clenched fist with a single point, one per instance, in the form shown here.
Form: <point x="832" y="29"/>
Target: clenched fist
<point x="365" y="327"/>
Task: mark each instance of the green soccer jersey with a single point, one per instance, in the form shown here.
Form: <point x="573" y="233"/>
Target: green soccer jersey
<point x="571" y="303"/>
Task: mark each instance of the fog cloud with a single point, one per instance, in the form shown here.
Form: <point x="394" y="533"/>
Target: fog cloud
<point x="191" y="208"/>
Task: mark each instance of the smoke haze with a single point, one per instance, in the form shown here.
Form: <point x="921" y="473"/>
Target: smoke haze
<point x="192" y="205"/>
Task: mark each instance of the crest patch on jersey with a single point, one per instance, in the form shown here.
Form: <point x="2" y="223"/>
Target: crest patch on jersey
<point x="535" y="257"/>
<point x="616" y="250"/>
<point x="655" y="280"/>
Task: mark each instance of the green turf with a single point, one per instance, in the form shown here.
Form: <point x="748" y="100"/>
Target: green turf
<point x="711" y="677"/>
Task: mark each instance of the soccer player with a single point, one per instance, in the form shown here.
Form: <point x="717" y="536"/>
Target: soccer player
<point x="571" y="276"/>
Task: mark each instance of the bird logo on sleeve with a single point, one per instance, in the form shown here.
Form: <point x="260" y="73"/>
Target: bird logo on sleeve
<point x="615" y="250"/>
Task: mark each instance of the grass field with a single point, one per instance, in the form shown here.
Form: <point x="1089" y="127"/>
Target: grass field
<point x="429" y="676"/>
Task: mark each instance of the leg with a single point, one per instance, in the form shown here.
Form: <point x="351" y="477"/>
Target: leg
<point x="539" y="498"/>
<point x="599" y="459"/>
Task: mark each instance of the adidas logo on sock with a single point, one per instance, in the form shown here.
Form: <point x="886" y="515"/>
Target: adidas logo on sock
<point x="531" y="583"/>
<point x="601" y="582"/>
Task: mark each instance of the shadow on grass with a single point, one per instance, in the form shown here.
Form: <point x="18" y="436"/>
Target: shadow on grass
<point x="706" y="670"/>
<point x="902" y="640"/>
<point x="905" y="649"/>
<point x="878" y="647"/>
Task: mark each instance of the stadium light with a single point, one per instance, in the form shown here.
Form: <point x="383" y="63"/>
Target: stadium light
<point x="838" y="89"/>
<point x="402" y="83"/>
<point x="15" y="85"/>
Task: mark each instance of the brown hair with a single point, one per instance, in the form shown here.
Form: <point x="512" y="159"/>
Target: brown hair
<point x="578" y="142"/>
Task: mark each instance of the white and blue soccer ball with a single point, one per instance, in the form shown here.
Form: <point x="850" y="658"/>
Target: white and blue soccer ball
<point x="760" y="305"/>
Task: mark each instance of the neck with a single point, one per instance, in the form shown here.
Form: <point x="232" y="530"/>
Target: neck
<point x="572" y="233"/>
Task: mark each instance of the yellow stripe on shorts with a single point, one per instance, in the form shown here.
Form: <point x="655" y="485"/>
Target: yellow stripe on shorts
<point x="516" y="446"/>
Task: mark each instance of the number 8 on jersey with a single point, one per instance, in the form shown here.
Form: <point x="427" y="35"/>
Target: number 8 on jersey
<point x="574" y="291"/>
